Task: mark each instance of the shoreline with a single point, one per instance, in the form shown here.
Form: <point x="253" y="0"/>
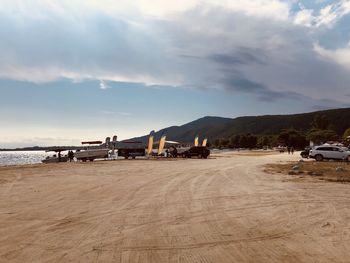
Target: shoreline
<point x="213" y="153"/>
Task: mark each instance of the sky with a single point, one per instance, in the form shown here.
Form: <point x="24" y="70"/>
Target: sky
<point x="73" y="70"/>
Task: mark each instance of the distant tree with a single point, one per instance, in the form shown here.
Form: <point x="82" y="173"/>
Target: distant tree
<point x="274" y="141"/>
<point x="346" y="133"/>
<point x="224" y="142"/>
<point x="247" y="141"/>
<point x="293" y="137"/>
<point x="217" y="142"/>
<point x="322" y="136"/>
<point x="252" y="141"/>
<point x="243" y="141"/>
<point x="230" y="144"/>
<point x="322" y="130"/>
<point x="320" y="122"/>
<point x="234" y="141"/>
<point x="264" y="141"/>
<point x="332" y="127"/>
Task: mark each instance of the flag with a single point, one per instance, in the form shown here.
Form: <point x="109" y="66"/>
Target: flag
<point x="161" y="144"/>
<point x="150" y="145"/>
<point x="196" y="141"/>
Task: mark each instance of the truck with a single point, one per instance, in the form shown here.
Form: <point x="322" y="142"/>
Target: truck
<point x="131" y="149"/>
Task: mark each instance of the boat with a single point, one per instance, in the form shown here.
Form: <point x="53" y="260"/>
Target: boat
<point x="56" y="158"/>
<point x="91" y="152"/>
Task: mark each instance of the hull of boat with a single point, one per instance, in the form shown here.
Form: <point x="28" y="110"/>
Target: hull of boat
<point x="91" y="154"/>
<point x="63" y="159"/>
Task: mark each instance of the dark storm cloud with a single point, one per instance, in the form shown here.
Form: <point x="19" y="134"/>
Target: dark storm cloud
<point x="262" y="92"/>
<point x="241" y="56"/>
<point x="276" y="58"/>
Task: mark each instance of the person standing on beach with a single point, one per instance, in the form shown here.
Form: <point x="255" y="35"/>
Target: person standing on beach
<point x="288" y="149"/>
<point x="70" y="156"/>
<point x="292" y="149"/>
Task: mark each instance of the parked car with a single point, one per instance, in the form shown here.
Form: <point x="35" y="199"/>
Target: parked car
<point x="329" y="152"/>
<point x="196" y="151"/>
<point x="281" y="148"/>
<point x="305" y="153"/>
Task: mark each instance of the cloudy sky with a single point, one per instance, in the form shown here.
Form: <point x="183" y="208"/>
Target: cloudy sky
<point x="72" y="70"/>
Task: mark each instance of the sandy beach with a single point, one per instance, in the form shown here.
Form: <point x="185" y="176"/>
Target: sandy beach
<point x="224" y="209"/>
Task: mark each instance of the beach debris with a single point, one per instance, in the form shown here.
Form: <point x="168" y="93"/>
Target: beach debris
<point x="296" y="168"/>
<point x="339" y="169"/>
<point x="326" y="224"/>
<point x="292" y="172"/>
<point x="312" y="173"/>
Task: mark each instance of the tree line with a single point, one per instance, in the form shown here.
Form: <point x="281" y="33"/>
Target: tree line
<point x="321" y="130"/>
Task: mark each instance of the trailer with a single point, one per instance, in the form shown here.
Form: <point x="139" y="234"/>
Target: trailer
<point x="131" y="149"/>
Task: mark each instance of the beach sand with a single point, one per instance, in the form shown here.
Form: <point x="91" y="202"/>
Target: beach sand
<point x="224" y="209"/>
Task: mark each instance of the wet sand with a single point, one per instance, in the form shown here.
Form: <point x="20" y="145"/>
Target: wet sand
<point x="224" y="209"/>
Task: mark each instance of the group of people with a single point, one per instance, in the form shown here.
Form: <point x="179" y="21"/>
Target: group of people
<point x="70" y="156"/>
<point x="171" y="152"/>
<point x="290" y="149"/>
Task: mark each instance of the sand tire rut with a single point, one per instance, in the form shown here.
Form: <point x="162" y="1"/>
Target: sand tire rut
<point x="223" y="209"/>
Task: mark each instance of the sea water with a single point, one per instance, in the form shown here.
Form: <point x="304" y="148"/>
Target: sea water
<point x="21" y="157"/>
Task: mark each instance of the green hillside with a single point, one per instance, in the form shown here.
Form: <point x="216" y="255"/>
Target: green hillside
<point x="217" y="127"/>
<point x="273" y="124"/>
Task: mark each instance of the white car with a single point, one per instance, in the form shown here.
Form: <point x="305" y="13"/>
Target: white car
<point x="329" y="152"/>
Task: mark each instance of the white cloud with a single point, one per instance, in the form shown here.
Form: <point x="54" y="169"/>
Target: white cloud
<point x="330" y="14"/>
<point x="340" y="56"/>
<point x="304" y="17"/>
<point x="163" y="8"/>
<point x="273" y="9"/>
<point x="103" y="85"/>
<point x="327" y="16"/>
<point x="158" y="8"/>
<point x="245" y="46"/>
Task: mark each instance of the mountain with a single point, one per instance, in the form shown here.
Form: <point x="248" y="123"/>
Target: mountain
<point x="186" y="133"/>
<point x="217" y="127"/>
